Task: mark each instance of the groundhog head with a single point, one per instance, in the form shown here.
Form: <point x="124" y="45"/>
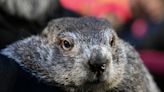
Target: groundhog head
<point x="73" y="53"/>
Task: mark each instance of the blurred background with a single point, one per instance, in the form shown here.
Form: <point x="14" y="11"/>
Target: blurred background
<point x="139" y="22"/>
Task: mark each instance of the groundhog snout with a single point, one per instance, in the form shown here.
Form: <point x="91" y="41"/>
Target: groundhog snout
<point x="98" y="61"/>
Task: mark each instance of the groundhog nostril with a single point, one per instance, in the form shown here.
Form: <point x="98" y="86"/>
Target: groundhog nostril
<point x="97" y="67"/>
<point x="103" y="66"/>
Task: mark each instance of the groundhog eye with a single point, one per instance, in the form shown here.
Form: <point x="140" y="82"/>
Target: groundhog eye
<point x="112" y="41"/>
<point x="66" y="45"/>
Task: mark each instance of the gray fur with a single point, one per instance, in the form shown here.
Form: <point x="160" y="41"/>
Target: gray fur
<point x="43" y="57"/>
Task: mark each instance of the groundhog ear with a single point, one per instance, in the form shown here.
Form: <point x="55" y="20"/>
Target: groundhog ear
<point x="44" y="33"/>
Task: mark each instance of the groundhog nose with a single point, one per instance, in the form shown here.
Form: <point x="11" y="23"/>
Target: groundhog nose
<point x="98" y="61"/>
<point x="97" y="68"/>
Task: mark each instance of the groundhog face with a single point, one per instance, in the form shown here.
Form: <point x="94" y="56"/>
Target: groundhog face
<point x="74" y="53"/>
<point x="86" y="53"/>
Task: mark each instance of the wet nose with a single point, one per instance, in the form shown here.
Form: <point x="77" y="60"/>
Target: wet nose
<point x="98" y="61"/>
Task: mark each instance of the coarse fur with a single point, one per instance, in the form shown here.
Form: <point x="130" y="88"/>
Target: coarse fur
<point x="43" y="56"/>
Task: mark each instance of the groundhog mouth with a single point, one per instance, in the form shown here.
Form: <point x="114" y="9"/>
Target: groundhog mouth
<point x="96" y="78"/>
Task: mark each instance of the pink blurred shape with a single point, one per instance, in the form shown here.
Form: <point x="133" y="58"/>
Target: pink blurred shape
<point x="154" y="60"/>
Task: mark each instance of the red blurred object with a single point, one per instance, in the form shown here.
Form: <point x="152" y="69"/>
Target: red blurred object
<point x="99" y="8"/>
<point x="154" y="60"/>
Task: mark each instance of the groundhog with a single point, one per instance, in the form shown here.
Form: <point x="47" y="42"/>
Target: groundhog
<point x="82" y="55"/>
